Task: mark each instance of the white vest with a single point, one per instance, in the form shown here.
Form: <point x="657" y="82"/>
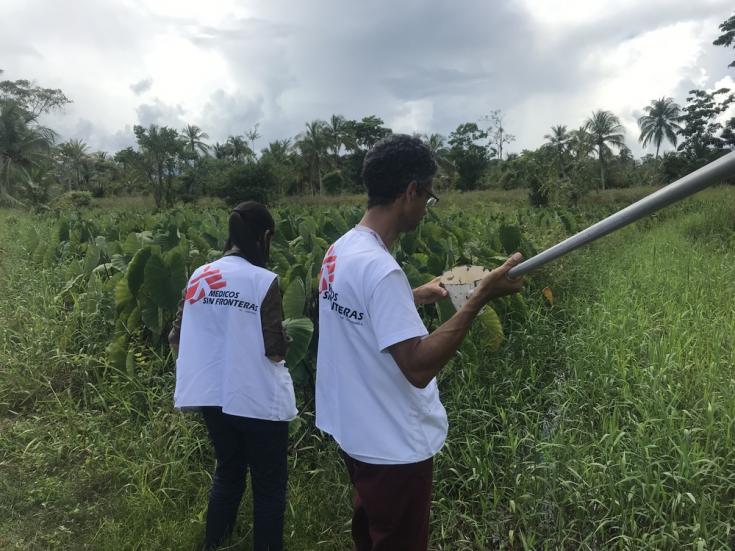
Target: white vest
<point x="222" y="359"/>
<point x="362" y="398"/>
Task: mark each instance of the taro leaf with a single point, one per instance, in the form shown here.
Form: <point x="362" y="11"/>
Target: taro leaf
<point x="167" y="238"/>
<point x="68" y="287"/>
<point x="150" y="314"/>
<point x="444" y="309"/>
<point x="156" y="283"/>
<point x="294" y="299"/>
<point x="419" y="260"/>
<point x="104" y="269"/>
<point x="436" y="263"/>
<point x="145" y="237"/>
<point x="118" y="261"/>
<point x="91" y="259"/>
<point x="300" y="331"/>
<point x="130" y="364"/>
<point x="510" y="238"/>
<point x="489" y="330"/>
<point x="517" y="308"/>
<point x="133" y="320"/>
<point x="131" y="244"/>
<point x="279" y="260"/>
<point x="177" y="277"/>
<point x="415" y="278"/>
<point x="63" y="232"/>
<point x="123" y="295"/>
<point x="117" y="352"/>
<point x="136" y="270"/>
<point x="285" y="228"/>
<point x="307" y="231"/>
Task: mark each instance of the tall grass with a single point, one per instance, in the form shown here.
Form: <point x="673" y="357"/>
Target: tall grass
<point x="606" y="421"/>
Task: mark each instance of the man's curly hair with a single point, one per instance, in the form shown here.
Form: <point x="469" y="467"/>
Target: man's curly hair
<point x="392" y="164"/>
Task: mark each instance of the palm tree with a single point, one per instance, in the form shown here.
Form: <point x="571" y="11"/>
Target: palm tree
<point x="559" y="139"/>
<point x="659" y="122"/>
<point x="604" y="128"/>
<point x="253" y="135"/>
<point x="74" y="155"/>
<point x="22" y="145"/>
<point x="221" y="150"/>
<point x="312" y="145"/>
<point x="580" y="144"/>
<point x="337" y="134"/>
<point x="239" y="149"/>
<point x="194" y="138"/>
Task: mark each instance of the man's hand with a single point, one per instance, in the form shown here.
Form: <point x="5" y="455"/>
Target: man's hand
<point x="497" y="283"/>
<point x="429" y="293"/>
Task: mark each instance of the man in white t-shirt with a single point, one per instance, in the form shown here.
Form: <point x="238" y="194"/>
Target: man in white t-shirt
<point x="376" y="390"/>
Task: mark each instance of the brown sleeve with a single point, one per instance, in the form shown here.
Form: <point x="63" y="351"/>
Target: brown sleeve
<point x="271" y="318"/>
<point x="175" y="333"/>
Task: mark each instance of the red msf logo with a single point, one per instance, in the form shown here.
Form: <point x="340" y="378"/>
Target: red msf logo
<point x="326" y="274"/>
<point x="212" y="280"/>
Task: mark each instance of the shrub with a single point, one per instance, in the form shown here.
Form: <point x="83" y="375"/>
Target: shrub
<point x="333" y="182"/>
<point x="73" y="199"/>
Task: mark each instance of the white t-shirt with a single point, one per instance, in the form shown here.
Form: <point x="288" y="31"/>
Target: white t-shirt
<point x="222" y="359"/>
<point x="362" y="398"/>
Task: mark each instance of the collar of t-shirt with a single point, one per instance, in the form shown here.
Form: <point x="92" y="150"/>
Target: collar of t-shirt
<point x="365" y="229"/>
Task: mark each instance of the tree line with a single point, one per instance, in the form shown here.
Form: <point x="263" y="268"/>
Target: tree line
<point x="325" y="158"/>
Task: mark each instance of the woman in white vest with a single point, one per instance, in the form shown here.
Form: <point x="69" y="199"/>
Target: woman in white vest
<point x="230" y="366"/>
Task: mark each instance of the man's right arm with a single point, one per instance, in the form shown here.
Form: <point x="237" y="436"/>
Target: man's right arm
<point x="421" y="359"/>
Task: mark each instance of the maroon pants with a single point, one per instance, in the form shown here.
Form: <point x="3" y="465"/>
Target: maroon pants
<point x="392" y="505"/>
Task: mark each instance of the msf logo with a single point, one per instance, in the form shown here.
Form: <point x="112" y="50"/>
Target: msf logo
<point x="326" y="274"/>
<point x="210" y="278"/>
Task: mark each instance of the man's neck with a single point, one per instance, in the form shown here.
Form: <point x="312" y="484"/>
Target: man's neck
<point x="382" y="221"/>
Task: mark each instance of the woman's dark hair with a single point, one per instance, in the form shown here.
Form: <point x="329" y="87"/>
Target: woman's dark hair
<point x="248" y="222"/>
<point x="392" y="164"/>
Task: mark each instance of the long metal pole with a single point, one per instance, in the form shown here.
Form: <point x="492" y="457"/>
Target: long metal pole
<point x="690" y="184"/>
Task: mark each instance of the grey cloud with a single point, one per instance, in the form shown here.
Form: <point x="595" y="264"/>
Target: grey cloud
<point x="142" y="86"/>
<point x="231" y="114"/>
<point x="294" y="62"/>
<point x="161" y="114"/>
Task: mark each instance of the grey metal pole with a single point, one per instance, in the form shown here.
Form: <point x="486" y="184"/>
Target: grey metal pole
<point x="690" y="184"/>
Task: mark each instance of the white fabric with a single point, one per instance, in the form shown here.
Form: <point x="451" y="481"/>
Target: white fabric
<point x="362" y="398"/>
<point x="222" y="359"/>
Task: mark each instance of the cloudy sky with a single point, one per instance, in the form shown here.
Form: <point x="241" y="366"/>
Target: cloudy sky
<point x="422" y="66"/>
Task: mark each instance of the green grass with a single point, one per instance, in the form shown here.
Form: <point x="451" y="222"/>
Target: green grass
<point x="606" y="421"/>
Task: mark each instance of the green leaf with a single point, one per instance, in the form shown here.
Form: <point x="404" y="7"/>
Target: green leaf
<point x="489" y="330"/>
<point x="117" y="352"/>
<point x="133" y="320"/>
<point x="156" y="283"/>
<point x="300" y="331"/>
<point x="91" y="259"/>
<point x="168" y="238"/>
<point x="177" y="277"/>
<point x="510" y="238"/>
<point x="68" y="287"/>
<point x="130" y="365"/>
<point x="123" y="295"/>
<point x="445" y="309"/>
<point x="294" y="299"/>
<point x="131" y="245"/>
<point x="136" y="270"/>
<point x="150" y="314"/>
<point x="105" y="269"/>
<point x="415" y="278"/>
<point x="119" y="262"/>
<point x="307" y="231"/>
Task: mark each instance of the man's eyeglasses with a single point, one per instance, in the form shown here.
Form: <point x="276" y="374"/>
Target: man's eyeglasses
<point x="432" y="200"/>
